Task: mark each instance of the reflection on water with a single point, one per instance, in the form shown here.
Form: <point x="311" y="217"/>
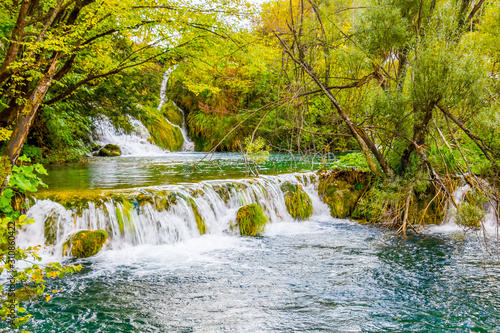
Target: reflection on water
<point x="172" y="168"/>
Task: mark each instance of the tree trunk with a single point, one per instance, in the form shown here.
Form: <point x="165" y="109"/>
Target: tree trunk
<point x="367" y="145"/>
<point x="419" y="132"/>
<point x="28" y="112"/>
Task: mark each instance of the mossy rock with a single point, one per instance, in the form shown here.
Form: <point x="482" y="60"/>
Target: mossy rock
<point x="297" y="201"/>
<point x="172" y="113"/>
<point x="200" y="222"/>
<point x="162" y="133"/>
<point x="251" y="220"/>
<point x="110" y="150"/>
<point x="50" y="229"/>
<point x="340" y="195"/>
<point x="85" y="243"/>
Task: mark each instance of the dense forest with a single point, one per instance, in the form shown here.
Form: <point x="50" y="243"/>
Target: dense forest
<point x="412" y="86"/>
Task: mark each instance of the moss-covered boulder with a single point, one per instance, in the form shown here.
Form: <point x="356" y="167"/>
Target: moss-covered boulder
<point x="297" y="201"/>
<point x="172" y="113"/>
<point x="341" y="190"/>
<point x="110" y="150"/>
<point x="50" y="229"/>
<point x="85" y="243"/>
<point x="251" y="220"/>
<point x="163" y="133"/>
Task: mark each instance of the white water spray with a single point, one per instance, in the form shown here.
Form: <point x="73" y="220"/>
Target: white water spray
<point x="152" y="222"/>
<point x="449" y="223"/>
<point x="137" y="143"/>
<point x="188" y="143"/>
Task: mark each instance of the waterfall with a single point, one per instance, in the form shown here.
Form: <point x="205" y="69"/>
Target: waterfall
<point x="449" y="223"/>
<point x="137" y="143"/>
<point x="188" y="143"/>
<point x="161" y="215"/>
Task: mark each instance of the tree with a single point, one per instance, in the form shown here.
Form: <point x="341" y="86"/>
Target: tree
<point x="60" y="46"/>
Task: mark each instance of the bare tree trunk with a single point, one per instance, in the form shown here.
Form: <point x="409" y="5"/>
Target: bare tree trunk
<point x="367" y="145"/>
<point x="419" y="132"/>
<point x="15" y="43"/>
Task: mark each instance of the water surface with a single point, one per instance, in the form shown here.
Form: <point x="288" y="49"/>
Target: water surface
<point x="323" y="275"/>
<point x="170" y="168"/>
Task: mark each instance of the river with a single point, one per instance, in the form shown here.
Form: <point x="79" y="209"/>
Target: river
<point x="323" y="274"/>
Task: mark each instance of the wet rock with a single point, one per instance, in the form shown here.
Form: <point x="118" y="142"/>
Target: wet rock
<point x="251" y="220"/>
<point x="85" y="243"/>
<point x="110" y="150"/>
<point x="297" y="201"/>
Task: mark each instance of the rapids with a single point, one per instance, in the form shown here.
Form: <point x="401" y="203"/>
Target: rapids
<point x="157" y="273"/>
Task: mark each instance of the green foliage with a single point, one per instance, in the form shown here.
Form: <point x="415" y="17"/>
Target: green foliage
<point x="29" y="281"/>
<point x="85" y="243"/>
<point x="257" y="150"/>
<point x="251" y="220"/>
<point x="471" y="212"/>
<point x="24" y="178"/>
<point x="297" y="201"/>
<point x="469" y="216"/>
<point x="172" y="113"/>
<point x="350" y="161"/>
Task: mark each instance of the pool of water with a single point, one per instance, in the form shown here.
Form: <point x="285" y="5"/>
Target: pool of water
<point x="171" y="168"/>
<point x="320" y="275"/>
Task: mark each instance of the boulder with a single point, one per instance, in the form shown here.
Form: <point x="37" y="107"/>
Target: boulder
<point x="251" y="220"/>
<point x="110" y="150"/>
<point x="85" y="243"/>
<point x="297" y="201"/>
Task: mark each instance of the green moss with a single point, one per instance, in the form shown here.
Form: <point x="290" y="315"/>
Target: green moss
<point x="164" y="200"/>
<point x="50" y="229"/>
<point x="200" y="222"/>
<point x="85" y="243"/>
<point x="340" y="196"/>
<point x="110" y="150"/>
<point x="251" y="220"/>
<point x="297" y="201"/>
<point x="124" y="214"/>
<point x="172" y="113"/>
<point x="341" y="190"/>
<point x="162" y="133"/>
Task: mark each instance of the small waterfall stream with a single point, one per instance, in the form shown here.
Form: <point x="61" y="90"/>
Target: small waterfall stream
<point x="188" y="143"/>
<point x="136" y="143"/>
<point x="162" y="215"/>
<point x="449" y="222"/>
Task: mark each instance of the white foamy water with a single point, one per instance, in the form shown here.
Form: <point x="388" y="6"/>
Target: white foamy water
<point x="136" y="143"/>
<point x="449" y="225"/>
<point x="132" y="224"/>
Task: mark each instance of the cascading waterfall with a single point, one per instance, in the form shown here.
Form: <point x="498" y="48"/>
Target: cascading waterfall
<point x="188" y="143"/>
<point x="449" y="222"/>
<point x="162" y="215"/>
<point x="137" y="143"/>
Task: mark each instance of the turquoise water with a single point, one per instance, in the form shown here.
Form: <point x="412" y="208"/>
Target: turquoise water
<point x="322" y="275"/>
<point x="172" y="168"/>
